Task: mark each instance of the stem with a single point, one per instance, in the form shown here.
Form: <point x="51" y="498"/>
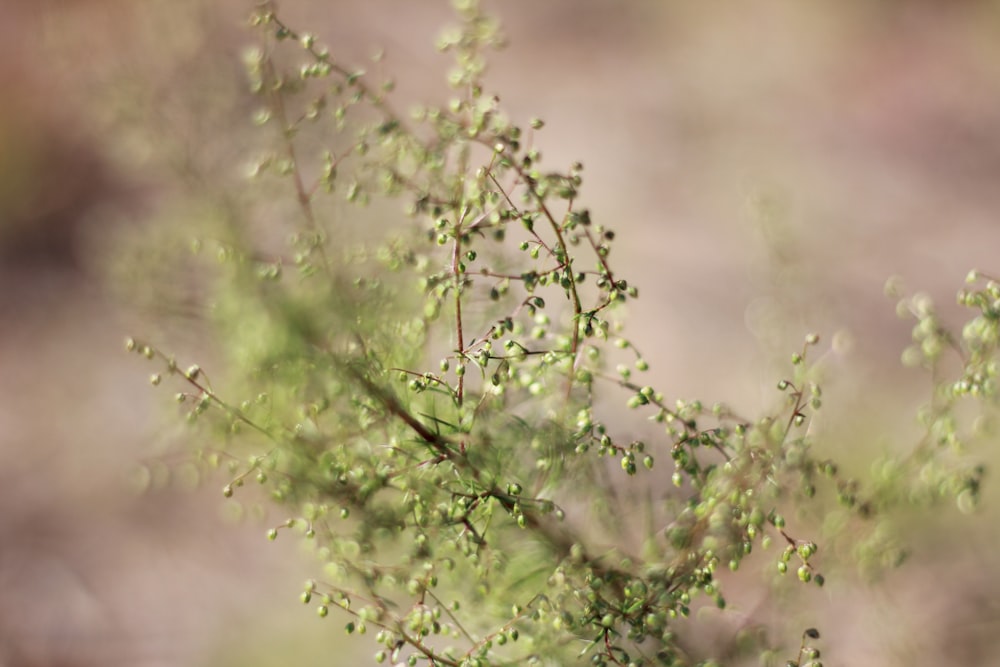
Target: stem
<point x="459" y="331"/>
<point x="572" y="290"/>
<point x="303" y="197"/>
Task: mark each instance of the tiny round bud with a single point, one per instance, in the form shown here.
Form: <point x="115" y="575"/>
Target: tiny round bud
<point x="272" y="534"/>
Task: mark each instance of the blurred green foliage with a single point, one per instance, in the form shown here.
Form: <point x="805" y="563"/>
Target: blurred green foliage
<point x="424" y="406"/>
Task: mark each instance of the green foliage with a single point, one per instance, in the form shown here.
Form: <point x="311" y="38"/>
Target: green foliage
<point x="422" y="407"/>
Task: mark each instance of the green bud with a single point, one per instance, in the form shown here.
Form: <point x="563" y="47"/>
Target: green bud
<point x="806" y="550"/>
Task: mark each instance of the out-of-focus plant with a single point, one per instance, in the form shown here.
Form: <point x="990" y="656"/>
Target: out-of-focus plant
<point x="422" y="406"/>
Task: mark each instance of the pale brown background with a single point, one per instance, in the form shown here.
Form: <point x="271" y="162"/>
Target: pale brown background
<point x="768" y="164"/>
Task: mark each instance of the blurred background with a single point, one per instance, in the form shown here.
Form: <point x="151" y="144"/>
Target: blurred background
<point x="767" y="164"/>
